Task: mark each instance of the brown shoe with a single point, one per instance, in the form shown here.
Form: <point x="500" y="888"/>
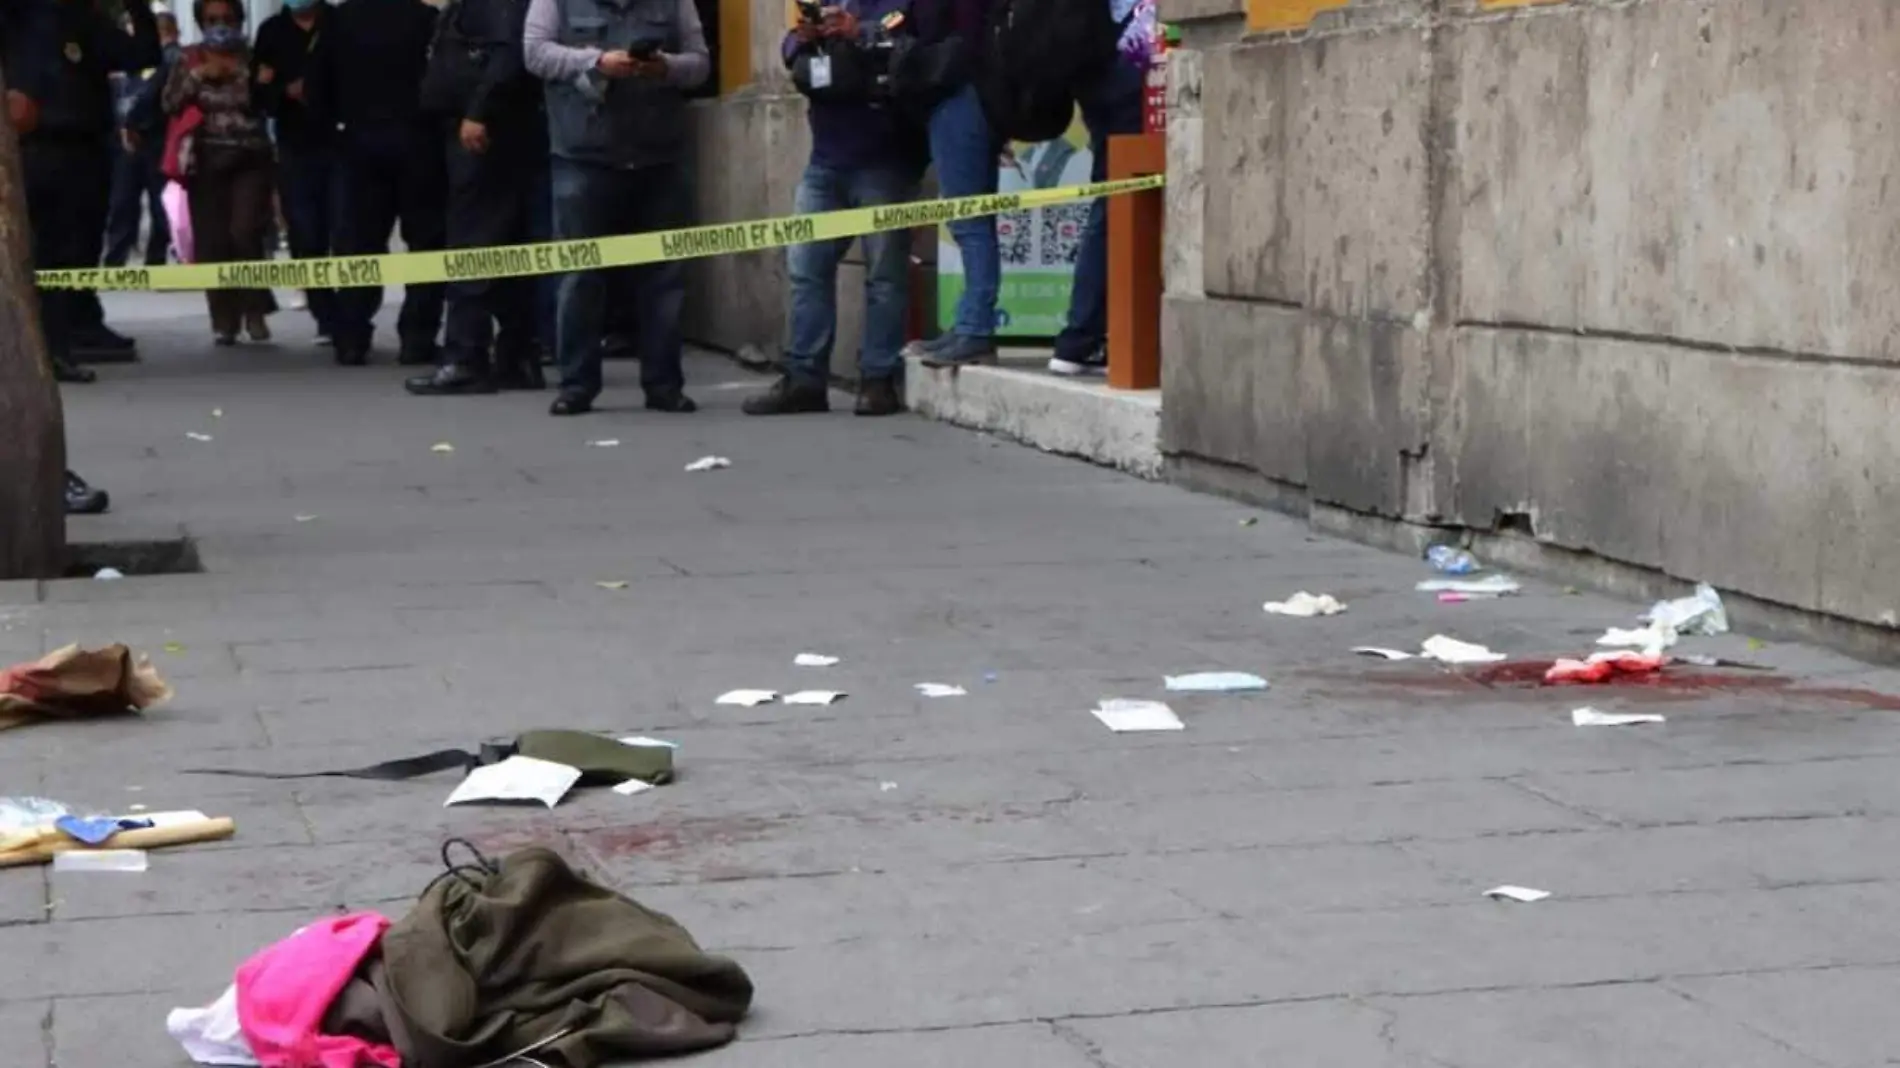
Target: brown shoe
<point x="878" y="396"/>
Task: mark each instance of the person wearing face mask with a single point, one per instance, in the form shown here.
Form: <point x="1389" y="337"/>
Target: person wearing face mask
<point x="306" y="163"/>
<point x="229" y="174"/>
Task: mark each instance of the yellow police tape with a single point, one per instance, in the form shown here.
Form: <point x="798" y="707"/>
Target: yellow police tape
<point x="557" y="257"/>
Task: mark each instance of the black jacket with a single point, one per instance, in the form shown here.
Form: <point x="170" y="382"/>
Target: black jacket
<point x="285" y="49"/>
<point x="507" y="92"/>
<point x="60" y="55"/>
<point x="366" y="70"/>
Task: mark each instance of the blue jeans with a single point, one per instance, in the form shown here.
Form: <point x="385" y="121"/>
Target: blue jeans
<point x="308" y="187"/>
<point x="596" y="201"/>
<point x="1110" y="106"/>
<point x="964" y="153"/>
<point x="814" y="273"/>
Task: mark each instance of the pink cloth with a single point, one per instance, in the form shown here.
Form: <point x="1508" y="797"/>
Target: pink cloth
<point x="284" y="990"/>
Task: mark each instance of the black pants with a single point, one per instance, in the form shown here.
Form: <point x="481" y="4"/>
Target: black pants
<point x="490" y="204"/>
<point x="307" y="185"/>
<point x="230" y="210"/>
<point x="66" y="185"/>
<point x="138" y="187"/>
<point x="390" y="176"/>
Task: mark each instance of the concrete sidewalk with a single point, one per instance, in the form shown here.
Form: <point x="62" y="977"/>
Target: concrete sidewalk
<point x="1294" y="880"/>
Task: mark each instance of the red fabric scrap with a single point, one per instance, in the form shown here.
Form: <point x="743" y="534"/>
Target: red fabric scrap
<point x="1602" y="668"/>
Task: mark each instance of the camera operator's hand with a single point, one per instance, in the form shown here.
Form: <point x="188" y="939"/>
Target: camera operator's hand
<point x="474" y="137"/>
<point x="807" y="32"/>
<point x="840" y="23"/>
<point x="617" y="64"/>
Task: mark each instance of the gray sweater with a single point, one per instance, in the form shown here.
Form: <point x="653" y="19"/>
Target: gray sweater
<point x="552" y="61"/>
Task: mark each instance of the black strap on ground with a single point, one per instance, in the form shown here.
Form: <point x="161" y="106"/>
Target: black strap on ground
<point x="389" y="770"/>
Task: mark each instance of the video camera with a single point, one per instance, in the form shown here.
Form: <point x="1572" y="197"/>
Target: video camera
<point x="834" y="70"/>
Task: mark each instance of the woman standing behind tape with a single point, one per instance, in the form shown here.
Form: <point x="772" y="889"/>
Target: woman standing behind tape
<point x="228" y="165"/>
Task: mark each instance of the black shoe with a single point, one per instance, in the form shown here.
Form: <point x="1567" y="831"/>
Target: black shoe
<point x="418" y="355"/>
<point x="789" y="396"/>
<point x="524" y="374"/>
<point x="878" y="396"/>
<point x="452" y="380"/>
<point x="82" y="499"/>
<point x="670" y="400"/>
<point x="103" y="341"/>
<point x="351" y="354"/>
<point x="570" y="404"/>
<point x="72" y="373"/>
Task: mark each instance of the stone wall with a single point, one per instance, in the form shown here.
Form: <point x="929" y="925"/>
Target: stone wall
<point x="1606" y="274"/>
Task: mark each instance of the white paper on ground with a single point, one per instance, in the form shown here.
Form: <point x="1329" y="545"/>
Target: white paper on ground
<point x="195" y="436"/>
<point x="1120" y="714"/>
<point x="814" y="697"/>
<point x="303" y="517"/>
<point x="709" y="463"/>
<point x="1652" y="639"/>
<point x="1452" y="651"/>
<point x="211" y="1035"/>
<point x="1216" y="682"/>
<point x="1699" y="613"/>
<point x="652" y="743"/>
<point x="1590" y="717"/>
<point x="633" y="786"/>
<point x="747" y="698"/>
<point x="1516" y="893"/>
<point x="604" y="443"/>
<point x="519" y="778"/>
<point x="1306" y="605"/>
<point x="442" y="446"/>
<point x="108" y="574"/>
<point x="939" y="689"/>
<point x="1383" y="654"/>
<point x="1494" y="585"/>
<point x="813" y="660"/>
<point x="172" y="819"/>
<point x="886" y="787"/>
<point x="132" y="861"/>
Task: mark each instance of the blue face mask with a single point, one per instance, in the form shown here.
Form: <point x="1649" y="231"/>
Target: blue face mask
<point x="224" y="38"/>
<point x="300" y="5"/>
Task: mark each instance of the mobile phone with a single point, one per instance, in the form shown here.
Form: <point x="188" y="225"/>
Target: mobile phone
<point x="644" y="49"/>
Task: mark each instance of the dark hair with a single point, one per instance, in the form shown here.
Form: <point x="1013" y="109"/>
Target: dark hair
<point x="198" y="8"/>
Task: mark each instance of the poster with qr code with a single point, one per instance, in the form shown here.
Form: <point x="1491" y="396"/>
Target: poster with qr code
<point x="1038" y="247"/>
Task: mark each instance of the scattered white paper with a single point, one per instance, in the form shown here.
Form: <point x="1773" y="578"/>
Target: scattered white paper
<point x="1452" y="651"/>
<point x="217" y="413"/>
<point x="1306" y="605"/>
<point x="604" y="443"/>
<point x="1652" y="639"/>
<point x="633" y="786"/>
<point x="1516" y="893"/>
<point x="519" y="778"/>
<point x="748" y="698"/>
<point x="709" y="463"/>
<point x="614" y="584"/>
<point x="212" y="1035"/>
<point x="1383" y="654"/>
<point x="132" y="861"/>
<point x="645" y="742"/>
<point x="813" y="660"/>
<point x="939" y="689"/>
<point x="1590" y="717"/>
<point x="886" y="787"/>
<point x="1121" y="715"/>
<point x="814" y="697"/>
<point x="108" y="574"/>
<point x="1699" y="613"/>
<point x="304" y="517"/>
<point x="1216" y="682"/>
<point x="195" y="436"/>
<point x="1493" y="585"/>
<point x="442" y="446"/>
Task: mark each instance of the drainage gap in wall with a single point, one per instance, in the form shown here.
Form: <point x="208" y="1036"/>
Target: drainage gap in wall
<point x="1516" y="523"/>
<point x="154" y="556"/>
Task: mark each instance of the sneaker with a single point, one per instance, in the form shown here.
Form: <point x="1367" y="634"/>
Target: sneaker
<point x="452" y="380"/>
<point x="962" y="350"/>
<point x="927" y="346"/>
<point x="67" y="371"/>
<point x="789" y="396"/>
<point x="878" y="396"/>
<point x="1077" y="368"/>
<point x="82" y="499"/>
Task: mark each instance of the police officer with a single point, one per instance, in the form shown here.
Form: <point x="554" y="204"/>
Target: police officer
<point x="365" y="79"/>
<point x="59" y="55"/>
<point x="497" y="149"/>
<point x="306" y="165"/>
<point x="617" y="72"/>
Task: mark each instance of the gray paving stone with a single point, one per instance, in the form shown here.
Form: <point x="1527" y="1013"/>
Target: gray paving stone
<point x="1834" y="1015"/>
<point x="1320" y="1034"/>
<point x="957" y="1048"/>
<point x="1633" y="1023"/>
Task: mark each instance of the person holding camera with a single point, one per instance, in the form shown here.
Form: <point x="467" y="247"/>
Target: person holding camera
<point x="866" y="152"/>
<point x="617" y="74"/>
<point x="497" y="152"/>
